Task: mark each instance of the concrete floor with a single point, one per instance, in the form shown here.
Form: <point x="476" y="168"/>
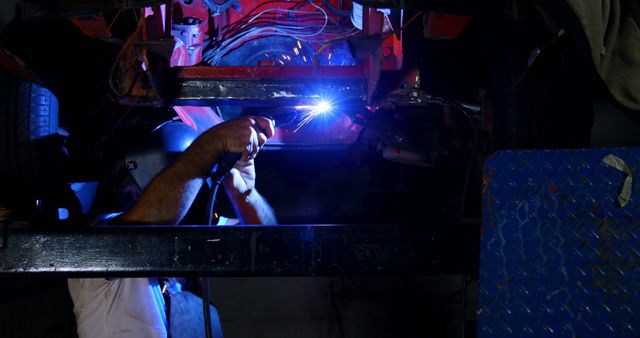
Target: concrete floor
<point x="358" y="306"/>
<point x="380" y="306"/>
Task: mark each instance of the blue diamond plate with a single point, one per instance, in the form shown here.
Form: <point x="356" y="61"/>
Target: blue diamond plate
<point x="559" y="256"/>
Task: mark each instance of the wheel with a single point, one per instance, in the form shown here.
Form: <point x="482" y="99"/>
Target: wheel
<point x="31" y="150"/>
<point x="28" y="115"/>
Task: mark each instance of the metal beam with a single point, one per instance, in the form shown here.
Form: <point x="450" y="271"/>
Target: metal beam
<point x="39" y="9"/>
<point x="292" y="250"/>
<point x="268" y="86"/>
<point x="456" y="7"/>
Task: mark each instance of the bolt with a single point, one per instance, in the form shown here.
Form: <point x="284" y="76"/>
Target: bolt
<point x="132" y="165"/>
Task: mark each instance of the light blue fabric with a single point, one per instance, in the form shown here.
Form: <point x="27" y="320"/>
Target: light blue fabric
<point x="157" y="298"/>
<point x="187" y="318"/>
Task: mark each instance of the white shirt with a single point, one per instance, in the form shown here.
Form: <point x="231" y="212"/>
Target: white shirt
<point x="119" y="307"/>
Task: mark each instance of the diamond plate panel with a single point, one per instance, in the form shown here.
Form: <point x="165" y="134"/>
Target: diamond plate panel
<point x="559" y="256"/>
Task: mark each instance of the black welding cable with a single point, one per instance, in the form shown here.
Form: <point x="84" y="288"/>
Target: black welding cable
<point x="211" y="201"/>
<point x="204" y="281"/>
<point x="336" y="310"/>
<point x="224" y="165"/>
<point x="464" y="305"/>
<point x="466" y="112"/>
<point x="226" y="162"/>
<point x="205" y="307"/>
<point x="472" y="157"/>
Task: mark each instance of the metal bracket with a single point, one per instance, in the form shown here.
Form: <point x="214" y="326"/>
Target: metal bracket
<point x="218" y="9"/>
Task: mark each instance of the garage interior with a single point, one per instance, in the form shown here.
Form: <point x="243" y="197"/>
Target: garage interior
<point x="395" y="179"/>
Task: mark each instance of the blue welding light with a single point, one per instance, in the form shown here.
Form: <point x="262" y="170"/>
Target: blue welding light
<point x="323" y="107"/>
<point x="322" y="110"/>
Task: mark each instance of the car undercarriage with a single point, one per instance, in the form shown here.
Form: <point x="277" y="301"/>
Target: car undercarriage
<point x="385" y="112"/>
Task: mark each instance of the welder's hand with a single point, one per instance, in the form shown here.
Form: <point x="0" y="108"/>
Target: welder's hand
<point x="241" y="180"/>
<point x="244" y="135"/>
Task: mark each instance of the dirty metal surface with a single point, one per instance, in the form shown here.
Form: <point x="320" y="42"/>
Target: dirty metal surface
<point x="267" y="92"/>
<point x="559" y="255"/>
<point x="291" y="250"/>
<point x="269" y="86"/>
<point x="39" y="9"/>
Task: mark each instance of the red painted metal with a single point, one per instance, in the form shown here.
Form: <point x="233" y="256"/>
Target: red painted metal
<point x="16" y="67"/>
<point x="94" y="26"/>
<point x="444" y="26"/>
<point x="392" y="54"/>
<point x="266" y="72"/>
<point x="341" y="131"/>
<point x="372" y="24"/>
<point x="390" y="57"/>
<point x="197" y="10"/>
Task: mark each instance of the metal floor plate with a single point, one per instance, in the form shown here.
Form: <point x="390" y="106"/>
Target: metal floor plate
<point x="559" y="255"/>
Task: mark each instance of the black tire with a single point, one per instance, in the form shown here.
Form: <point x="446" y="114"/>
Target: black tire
<point x="28" y="115"/>
<point x="32" y="156"/>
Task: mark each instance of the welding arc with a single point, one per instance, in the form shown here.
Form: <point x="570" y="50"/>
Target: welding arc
<point x="300" y="115"/>
<point x="311" y="112"/>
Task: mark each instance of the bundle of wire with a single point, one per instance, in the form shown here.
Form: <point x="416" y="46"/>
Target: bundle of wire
<point x="303" y="20"/>
<point x="123" y="65"/>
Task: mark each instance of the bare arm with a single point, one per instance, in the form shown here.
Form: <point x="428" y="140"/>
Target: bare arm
<point x="168" y="197"/>
<point x="171" y="193"/>
<point x="254" y="209"/>
<point x="249" y="205"/>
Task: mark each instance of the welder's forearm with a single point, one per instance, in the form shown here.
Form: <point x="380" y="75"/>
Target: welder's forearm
<point x="166" y="199"/>
<point x="254" y="209"/>
<point x="169" y="196"/>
